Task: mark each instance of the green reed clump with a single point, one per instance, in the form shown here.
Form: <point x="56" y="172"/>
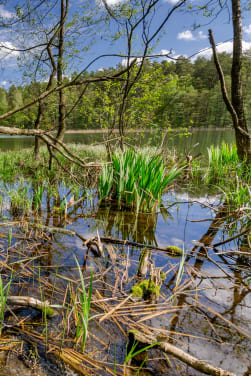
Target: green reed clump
<point x="222" y="161"/>
<point x="237" y="194"/>
<point x="20" y="201"/>
<point x="136" y="180"/>
<point x="4" y="292"/>
<point x="83" y="313"/>
<point x="222" y="155"/>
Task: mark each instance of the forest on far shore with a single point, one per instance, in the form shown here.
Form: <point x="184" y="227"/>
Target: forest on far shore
<point x="168" y="94"/>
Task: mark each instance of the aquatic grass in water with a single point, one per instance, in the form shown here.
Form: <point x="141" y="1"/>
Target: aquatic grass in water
<point x="85" y="302"/>
<point x="133" y="352"/>
<point x="136" y="180"/>
<point x="4" y="292"/>
<point x="222" y="161"/>
<point x="19" y="199"/>
<point x="222" y="155"/>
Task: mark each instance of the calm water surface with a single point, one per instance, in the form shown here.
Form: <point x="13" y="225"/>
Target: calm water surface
<point x="201" y="138"/>
<point x="217" y="293"/>
<point x="212" y="319"/>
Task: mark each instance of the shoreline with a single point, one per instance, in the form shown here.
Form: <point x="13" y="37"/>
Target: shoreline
<point x="138" y="130"/>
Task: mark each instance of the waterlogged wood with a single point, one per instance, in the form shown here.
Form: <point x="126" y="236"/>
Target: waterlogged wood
<point x="27" y="301"/>
<point x="164" y="345"/>
<point x="54" y="230"/>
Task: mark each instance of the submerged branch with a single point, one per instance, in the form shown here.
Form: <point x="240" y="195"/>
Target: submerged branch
<point x="164" y="345"/>
<point x="28" y="301"/>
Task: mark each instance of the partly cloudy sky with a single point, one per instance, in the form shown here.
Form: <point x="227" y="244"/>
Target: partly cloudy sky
<point x="180" y="36"/>
<point x="4" y="13"/>
<point x="247" y="30"/>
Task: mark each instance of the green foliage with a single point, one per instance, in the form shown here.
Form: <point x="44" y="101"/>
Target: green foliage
<point x="220" y="155"/>
<point x="167" y="94"/>
<point x="226" y="174"/>
<point x="223" y="162"/>
<point x="136" y="180"/>
<point x="237" y="193"/>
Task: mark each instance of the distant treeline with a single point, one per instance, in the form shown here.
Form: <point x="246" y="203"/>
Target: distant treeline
<point x="176" y="94"/>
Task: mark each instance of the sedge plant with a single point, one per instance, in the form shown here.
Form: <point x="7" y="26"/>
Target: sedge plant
<point x="133" y="352"/>
<point x="136" y="180"/>
<point x="4" y="293"/>
<point x="83" y="314"/>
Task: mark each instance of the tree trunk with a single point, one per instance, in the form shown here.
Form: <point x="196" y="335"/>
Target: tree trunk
<point x="37" y="126"/>
<point x="61" y="109"/>
<point x="243" y="142"/>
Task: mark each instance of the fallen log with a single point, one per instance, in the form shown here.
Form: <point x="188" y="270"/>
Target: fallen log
<point x="164" y="345"/>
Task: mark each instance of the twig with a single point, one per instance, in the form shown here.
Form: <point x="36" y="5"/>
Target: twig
<point x="232" y="238"/>
<point x="118" y="306"/>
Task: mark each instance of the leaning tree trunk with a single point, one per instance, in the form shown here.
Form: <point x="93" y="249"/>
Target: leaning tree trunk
<point x="243" y="141"/>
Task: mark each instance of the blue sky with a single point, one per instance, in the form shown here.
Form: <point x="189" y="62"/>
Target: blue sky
<point x="180" y="37"/>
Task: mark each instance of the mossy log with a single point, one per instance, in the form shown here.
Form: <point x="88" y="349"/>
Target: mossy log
<point x="27" y="301"/>
<point x="174" y="251"/>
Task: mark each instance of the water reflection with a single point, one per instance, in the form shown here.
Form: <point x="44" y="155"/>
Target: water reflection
<point x="124" y="224"/>
<point x="204" y="138"/>
<point x="211" y="313"/>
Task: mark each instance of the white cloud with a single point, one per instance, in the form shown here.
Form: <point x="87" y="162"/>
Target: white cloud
<point x="109" y="2"/>
<point x="3" y="83"/>
<point x="201" y="35"/>
<point x="124" y="61"/>
<point x="6" y="51"/>
<point x="171" y="1"/>
<point x="113" y="2"/>
<point x="224" y="47"/>
<point x="167" y="52"/>
<point x="186" y="35"/>
<point x="247" y="29"/>
<point x="4" y="13"/>
<point x="172" y="55"/>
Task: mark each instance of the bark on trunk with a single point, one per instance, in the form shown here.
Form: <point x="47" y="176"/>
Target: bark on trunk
<point x="61" y="109"/>
<point x="235" y="106"/>
<point x="243" y="142"/>
<point x="37" y="126"/>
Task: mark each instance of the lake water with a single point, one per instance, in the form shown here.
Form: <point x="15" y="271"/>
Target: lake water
<point x="206" y="311"/>
<point x="201" y="138"/>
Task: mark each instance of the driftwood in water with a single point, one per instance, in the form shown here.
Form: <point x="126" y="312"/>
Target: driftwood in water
<point x="27" y="301"/>
<point x="164" y="345"/>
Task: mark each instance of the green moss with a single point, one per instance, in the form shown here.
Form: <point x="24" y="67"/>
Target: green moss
<point x="174" y="251"/>
<point x="137" y="291"/>
<point x="145" y="289"/>
<point x="50" y="312"/>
